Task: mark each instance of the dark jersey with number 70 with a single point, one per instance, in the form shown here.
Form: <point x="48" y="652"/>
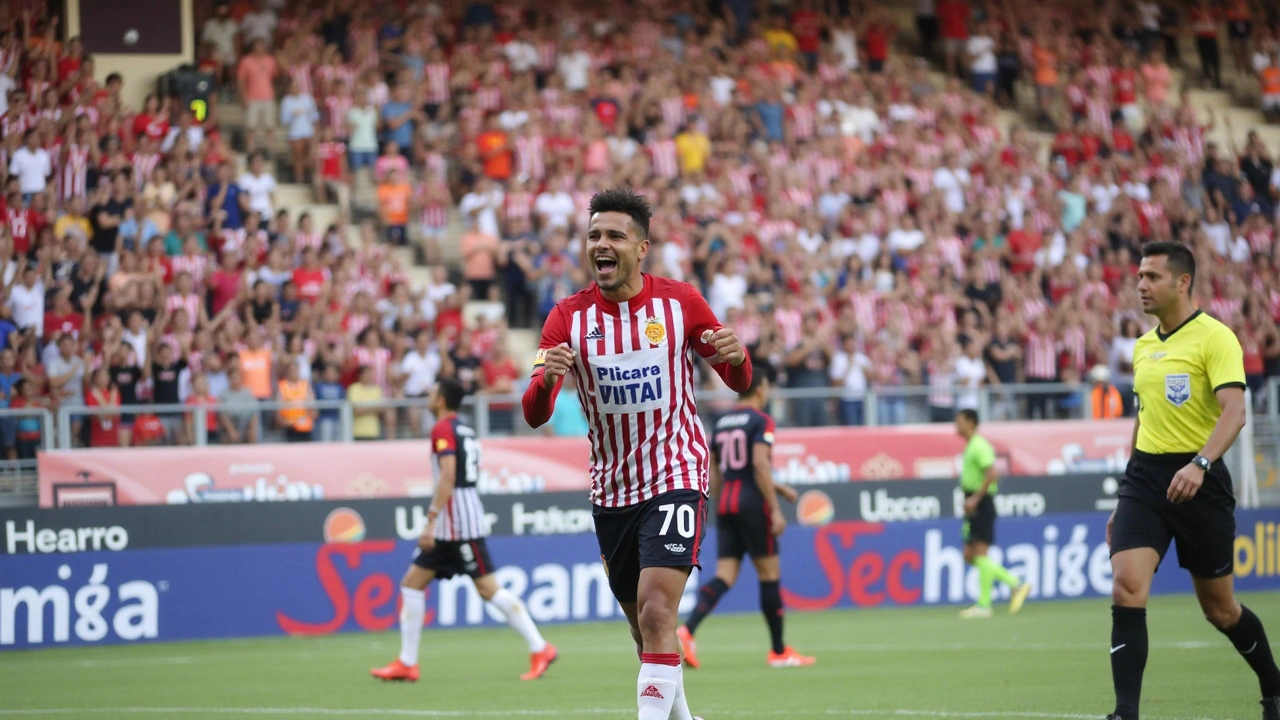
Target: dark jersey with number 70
<point x="735" y="436"/>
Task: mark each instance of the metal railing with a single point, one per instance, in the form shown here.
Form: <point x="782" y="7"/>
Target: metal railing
<point x="500" y="415"/>
<point x="407" y="418"/>
<point x="1254" y="459"/>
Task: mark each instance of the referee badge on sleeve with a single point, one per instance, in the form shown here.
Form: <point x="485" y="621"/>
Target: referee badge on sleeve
<point x="1177" y="389"/>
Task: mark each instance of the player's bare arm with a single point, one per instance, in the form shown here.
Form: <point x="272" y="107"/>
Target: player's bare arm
<point x="440" y="499"/>
<point x="1186" y="483"/>
<point x="762" y="461"/>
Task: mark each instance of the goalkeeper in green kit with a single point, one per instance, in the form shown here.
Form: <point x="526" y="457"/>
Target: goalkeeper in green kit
<point x="978" y="481"/>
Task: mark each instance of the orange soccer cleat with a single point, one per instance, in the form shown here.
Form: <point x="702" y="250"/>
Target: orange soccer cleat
<point x="688" y="647"/>
<point x="789" y="658"/>
<point x="396" y="671"/>
<point x="540" y="661"/>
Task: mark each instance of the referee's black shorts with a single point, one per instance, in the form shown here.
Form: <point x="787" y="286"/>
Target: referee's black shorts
<point x="1204" y="526"/>
<point x="981" y="525"/>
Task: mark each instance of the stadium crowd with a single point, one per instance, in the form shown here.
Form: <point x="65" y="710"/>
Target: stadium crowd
<point x="858" y="221"/>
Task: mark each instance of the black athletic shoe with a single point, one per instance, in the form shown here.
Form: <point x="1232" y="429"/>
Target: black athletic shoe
<point x="1271" y="708"/>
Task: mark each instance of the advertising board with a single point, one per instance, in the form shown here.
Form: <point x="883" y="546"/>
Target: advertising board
<point x="95" y="528"/>
<point x="319" y="471"/>
<point x="316" y="588"/>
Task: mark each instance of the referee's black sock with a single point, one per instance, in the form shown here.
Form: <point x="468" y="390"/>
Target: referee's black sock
<point x="708" y="596"/>
<point x="1250" y="641"/>
<point x="771" y="606"/>
<point x="1128" y="657"/>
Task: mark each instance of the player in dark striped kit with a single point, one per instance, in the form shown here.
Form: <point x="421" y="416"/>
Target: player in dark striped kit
<point x="453" y="542"/>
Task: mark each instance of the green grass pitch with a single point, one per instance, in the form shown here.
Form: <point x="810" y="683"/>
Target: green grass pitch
<point x="1049" y="662"/>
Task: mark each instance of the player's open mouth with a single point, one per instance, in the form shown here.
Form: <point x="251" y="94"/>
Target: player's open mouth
<point x="606" y="265"/>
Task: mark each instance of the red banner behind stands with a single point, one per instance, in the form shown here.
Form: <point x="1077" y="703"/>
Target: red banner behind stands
<point x="149" y="476"/>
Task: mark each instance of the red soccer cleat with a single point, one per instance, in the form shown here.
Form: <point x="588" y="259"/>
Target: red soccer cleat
<point x="789" y="658"/>
<point x="396" y="671"/>
<point x="540" y="661"/>
<point x="688" y="647"/>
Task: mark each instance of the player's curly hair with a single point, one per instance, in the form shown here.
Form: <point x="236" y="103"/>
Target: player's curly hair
<point x="623" y="200"/>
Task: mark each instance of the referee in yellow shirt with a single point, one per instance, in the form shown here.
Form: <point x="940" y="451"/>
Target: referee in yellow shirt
<point x="1189" y="379"/>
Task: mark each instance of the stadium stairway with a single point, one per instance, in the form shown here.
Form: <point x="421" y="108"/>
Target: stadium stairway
<point x="299" y="198"/>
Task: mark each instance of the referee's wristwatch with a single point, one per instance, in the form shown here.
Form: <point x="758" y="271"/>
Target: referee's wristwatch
<point x="1201" y="462"/>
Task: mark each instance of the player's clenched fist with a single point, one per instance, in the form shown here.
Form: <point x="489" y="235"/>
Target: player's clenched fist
<point x="555" y="363"/>
<point x="728" y="349"/>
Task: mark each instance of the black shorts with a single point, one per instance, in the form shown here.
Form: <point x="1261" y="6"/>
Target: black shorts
<point x="981" y="525"/>
<point x="665" y="531"/>
<point x="1204" y="526"/>
<point x="746" y="531"/>
<point x="456" y="557"/>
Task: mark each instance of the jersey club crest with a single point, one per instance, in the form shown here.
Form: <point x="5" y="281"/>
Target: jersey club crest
<point x="654" y="332"/>
<point x="1177" y="389"/>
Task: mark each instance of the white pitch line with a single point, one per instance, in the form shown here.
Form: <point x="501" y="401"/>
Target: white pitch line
<point x="623" y="649"/>
<point x="385" y="712"/>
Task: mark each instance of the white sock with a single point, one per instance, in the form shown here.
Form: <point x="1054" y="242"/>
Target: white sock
<point x="519" y="620"/>
<point x="656" y="689"/>
<point x="680" y="708"/>
<point x="412" y="611"/>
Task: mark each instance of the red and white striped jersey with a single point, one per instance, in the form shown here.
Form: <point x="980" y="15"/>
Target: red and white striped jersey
<point x="197" y="265"/>
<point x="790" y="326"/>
<point x="462" y="518"/>
<point x="73" y="176"/>
<point x="1041" y="362"/>
<point x="336" y="109"/>
<point x="377" y="358"/>
<point x="1074" y="346"/>
<point x="865" y="305"/>
<point x="143" y="165"/>
<point x="803" y="119"/>
<point x="1226" y="309"/>
<point x="636" y="386"/>
<point x="1261" y="240"/>
<point x="672" y="112"/>
<point x="437" y="76"/>
<point x="740" y="181"/>
<point x="530" y="156"/>
<point x="189" y="302"/>
<point x="489" y="98"/>
<point x="518" y="205"/>
<point x="665" y="159"/>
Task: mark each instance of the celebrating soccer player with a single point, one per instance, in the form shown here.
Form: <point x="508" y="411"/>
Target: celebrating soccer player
<point x="453" y="542"/>
<point x="978" y="477"/>
<point x="748" y="518"/>
<point x="627" y="339"/>
<point x="1189" y="379"/>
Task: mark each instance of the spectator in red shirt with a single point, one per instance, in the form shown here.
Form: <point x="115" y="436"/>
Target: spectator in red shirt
<point x="953" y="22"/>
<point x="498" y="375"/>
<point x="806" y="26"/>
